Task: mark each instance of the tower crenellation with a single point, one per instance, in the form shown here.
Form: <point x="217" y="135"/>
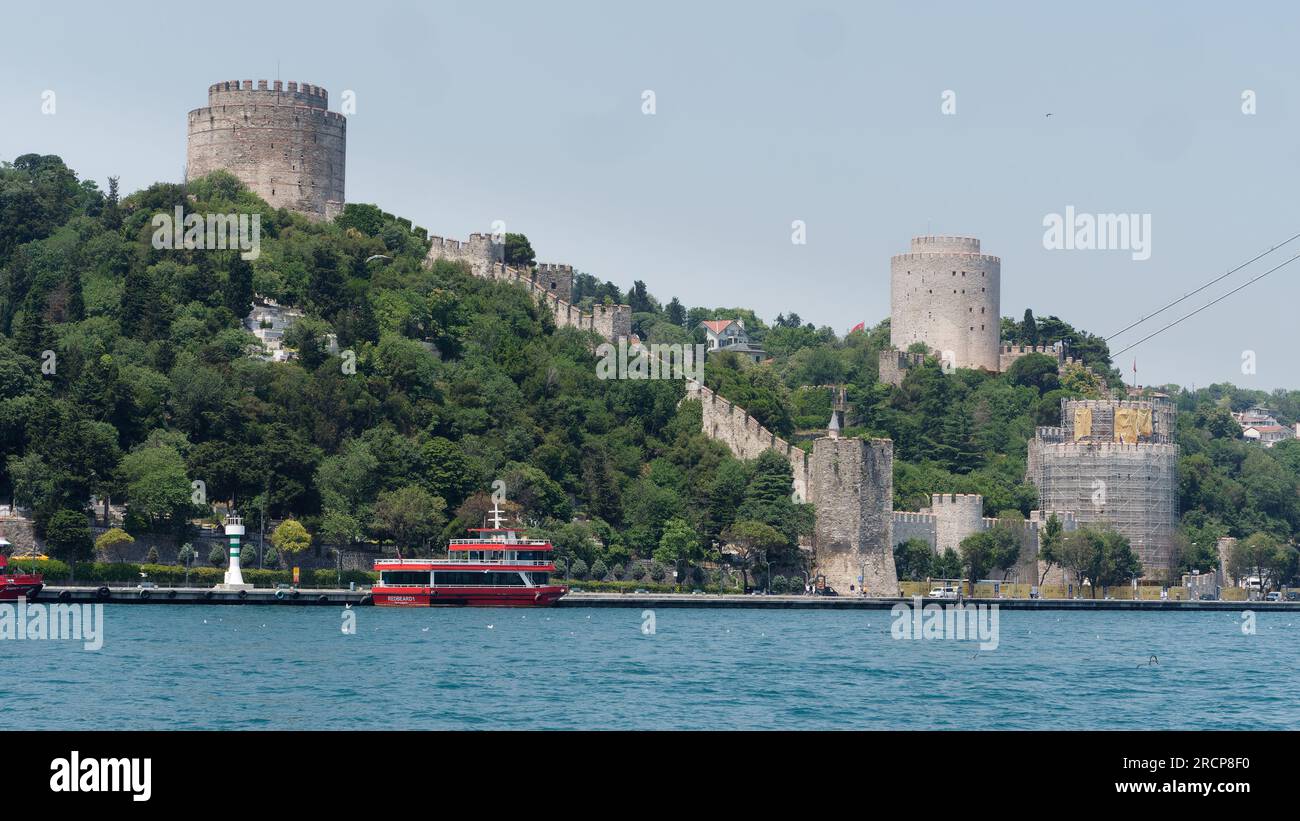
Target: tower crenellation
<point x="282" y="141"/>
<point x="945" y="294"/>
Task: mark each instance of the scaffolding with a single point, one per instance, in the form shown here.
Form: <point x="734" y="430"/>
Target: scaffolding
<point x="1124" y="475"/>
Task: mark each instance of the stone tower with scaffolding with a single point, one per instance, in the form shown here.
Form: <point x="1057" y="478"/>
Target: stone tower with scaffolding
<point x="1114" y="462"/>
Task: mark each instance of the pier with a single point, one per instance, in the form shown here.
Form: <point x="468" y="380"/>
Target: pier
<point x="201" y="595"/>
<point x="362" y="598"/>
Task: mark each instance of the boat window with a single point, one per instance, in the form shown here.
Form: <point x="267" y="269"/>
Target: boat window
<point x="540" y="578"/>
<point x="405" y="576"/>
<point x="466" y="578"/>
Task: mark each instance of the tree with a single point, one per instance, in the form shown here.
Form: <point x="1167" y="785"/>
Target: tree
<point x="755" y="542"/>
<point x="678" y="546"/>
<point x="217" y="556"/>
<point x="1035" y="370"/>
<point x="1075" y="554"/>
<point x="914" y="560"/>
<point x="519" y="251"/>
<point x="1114" y="562"/>
<point x="156" y="484"/>
<point x="1263" y="556"/>
<point x="1048" y="545"/>
<point x="67" y="537"/>
<point x="111" y="542"/>
<point x="410" y="516"/>
<point x="290" y="538"/>
<point x="978" y="553"/>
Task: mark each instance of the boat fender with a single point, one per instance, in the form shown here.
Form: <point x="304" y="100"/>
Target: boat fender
<point x="64" y="595"/>
<point x="322" y="598"/>
<point x="367" y="599"/>
<point x="103" y="592"/>
<point x="294" y="594"/>
<point x="207" y="594"/>
<point x="279" y="594"/>
<point x="243" y="594"/>
<point x="171" y="594"/>
<point x="144" y="594"/>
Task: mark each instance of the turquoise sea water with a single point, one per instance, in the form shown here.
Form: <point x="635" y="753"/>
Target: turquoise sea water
<point x="251" y="667"/>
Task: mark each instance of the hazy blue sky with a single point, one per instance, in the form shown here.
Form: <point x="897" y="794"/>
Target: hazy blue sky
<point x="830" y="113"/>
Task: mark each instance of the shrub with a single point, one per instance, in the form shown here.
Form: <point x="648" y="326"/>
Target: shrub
<point x="152" y="556"/>
<point x="270" y="558"/>
<point x="599" y="571"/>
<point x="560" y="569"/>
<point x="657" y="571"/>
<point x="617" y="571"/>
<point x="638" y="571"/>
<point x="779" y="584"/>
<point x="578" y="569"/>
<point x="217" y="557"/>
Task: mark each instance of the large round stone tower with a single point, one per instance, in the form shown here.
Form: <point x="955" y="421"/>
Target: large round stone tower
<point x="944" y="293"/>
<point x="283" y="143"/>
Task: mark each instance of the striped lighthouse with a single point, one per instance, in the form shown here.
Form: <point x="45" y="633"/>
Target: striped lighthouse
<point x="234" y="532"/>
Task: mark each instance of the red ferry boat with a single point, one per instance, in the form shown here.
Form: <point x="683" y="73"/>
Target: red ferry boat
<point x="14" y="585"/>
<point x="497" y="568"/>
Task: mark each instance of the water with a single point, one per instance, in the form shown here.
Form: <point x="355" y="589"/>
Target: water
<point x="250" y="667"/>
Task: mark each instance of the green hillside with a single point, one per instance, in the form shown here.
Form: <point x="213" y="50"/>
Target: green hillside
<point x="444" y="383"/>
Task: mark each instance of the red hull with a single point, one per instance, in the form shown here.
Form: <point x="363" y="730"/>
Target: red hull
<point x="467" y="596"/>
<point x="14" y="587"/>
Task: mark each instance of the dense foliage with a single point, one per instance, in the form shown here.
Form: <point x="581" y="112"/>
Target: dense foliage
<point x="125" y="373"/>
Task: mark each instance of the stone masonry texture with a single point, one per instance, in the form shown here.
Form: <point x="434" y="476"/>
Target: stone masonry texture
<point x="282" y="142"/>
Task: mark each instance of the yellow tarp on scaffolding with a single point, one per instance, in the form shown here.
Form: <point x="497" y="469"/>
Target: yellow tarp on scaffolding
<point x="1082" y="423"/>
<point x="1127" y="425"/>
<point x="1144" y="422"/>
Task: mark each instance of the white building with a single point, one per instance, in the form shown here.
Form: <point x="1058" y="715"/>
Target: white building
<point x="730" y="335"/>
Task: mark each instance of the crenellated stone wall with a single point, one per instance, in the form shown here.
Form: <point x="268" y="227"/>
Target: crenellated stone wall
<point x="553" y="283"/>
<point x="734" y="427"/>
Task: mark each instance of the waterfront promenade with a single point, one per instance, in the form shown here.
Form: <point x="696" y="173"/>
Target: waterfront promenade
<point x="361" y="597"/>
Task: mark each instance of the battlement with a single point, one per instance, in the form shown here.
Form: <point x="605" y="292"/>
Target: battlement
<point x="956" y="500"/>
<point x="1021" y="350"/>
<point x="231" y="91"/>
<point x="945" y="244"/>
<point x="555" y="269"/>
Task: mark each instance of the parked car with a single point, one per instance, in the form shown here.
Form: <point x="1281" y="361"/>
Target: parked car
<point x="1274" y="596"/>
<point x="1293" y="595"/>
<point x="147" y="586"/>
<point x="942" y="593"/>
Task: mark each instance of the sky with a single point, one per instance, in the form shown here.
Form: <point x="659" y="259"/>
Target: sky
<point x="832" y="114"/>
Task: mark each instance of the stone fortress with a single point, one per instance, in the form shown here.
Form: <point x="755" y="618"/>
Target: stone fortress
<point x="1114" y="462"/>
<point x="282" y="142"/>
<point x="285" y="145"/>
<point x="288" y="147"/>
